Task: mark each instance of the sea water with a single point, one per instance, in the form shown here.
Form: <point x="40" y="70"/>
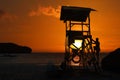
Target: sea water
<point x="36" y="58"/>
<point x="35" y="66"/>
<point x="33" y="58"/>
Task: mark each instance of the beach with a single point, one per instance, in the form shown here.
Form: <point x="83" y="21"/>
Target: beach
<point x="44" y="67"/>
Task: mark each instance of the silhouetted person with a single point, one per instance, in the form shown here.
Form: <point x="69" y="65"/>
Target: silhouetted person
<point x="97" y="48"/>
<point x="97" y="54"/>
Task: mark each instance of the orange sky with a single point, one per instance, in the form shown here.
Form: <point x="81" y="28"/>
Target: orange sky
<point x="36" y="23"/>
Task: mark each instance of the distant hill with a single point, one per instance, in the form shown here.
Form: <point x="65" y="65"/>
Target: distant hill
<point x="112" y="61"/>
<point x="14" y="48"/>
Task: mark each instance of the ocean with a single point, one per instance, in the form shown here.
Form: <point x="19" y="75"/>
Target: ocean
<point x="40" y="66"/>
<point x="33" y="58"/>
<point x="36" y="58"/>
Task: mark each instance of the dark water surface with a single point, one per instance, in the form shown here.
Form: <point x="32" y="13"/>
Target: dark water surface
<point x="37" y="58"/>
<point x="38" y="67"/>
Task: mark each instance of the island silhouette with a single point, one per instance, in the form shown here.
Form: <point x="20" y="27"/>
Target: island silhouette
<point x="14" y="48"/>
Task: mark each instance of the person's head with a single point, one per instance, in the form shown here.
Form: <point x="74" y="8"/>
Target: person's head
<point x="97" y="39"/>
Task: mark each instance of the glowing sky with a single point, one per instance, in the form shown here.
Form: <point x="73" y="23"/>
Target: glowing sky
<point x="36" y="23"/>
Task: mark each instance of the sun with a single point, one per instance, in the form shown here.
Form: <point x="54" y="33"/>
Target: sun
<point x="76" y="44"/>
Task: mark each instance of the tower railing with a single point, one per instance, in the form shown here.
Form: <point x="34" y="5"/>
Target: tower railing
<point x="82" y="53"/>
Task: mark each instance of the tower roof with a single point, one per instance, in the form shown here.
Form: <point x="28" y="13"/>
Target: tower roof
<point x="73" y="13"/>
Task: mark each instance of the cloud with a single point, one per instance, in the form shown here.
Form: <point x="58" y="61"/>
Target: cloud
<point x="48" y="11"/>
<point x="6" y="16"/>
<point x="2" y="13"/>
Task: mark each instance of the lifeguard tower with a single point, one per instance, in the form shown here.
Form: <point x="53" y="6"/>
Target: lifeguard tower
<point x="79" y="45"/>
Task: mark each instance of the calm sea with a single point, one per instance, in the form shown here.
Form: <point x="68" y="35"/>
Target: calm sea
<point x="35" y="58"/>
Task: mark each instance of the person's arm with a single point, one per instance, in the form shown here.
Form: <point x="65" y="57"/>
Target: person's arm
<point x="93" y="41"/>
